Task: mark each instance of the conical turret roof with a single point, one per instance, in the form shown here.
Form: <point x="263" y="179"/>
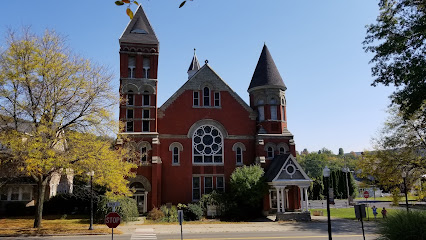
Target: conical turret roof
<point x="139" y="30"/>
<point x="266" y="72"/>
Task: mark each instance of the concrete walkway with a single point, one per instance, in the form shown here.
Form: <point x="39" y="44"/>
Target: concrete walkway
<point x="318" y="224"/>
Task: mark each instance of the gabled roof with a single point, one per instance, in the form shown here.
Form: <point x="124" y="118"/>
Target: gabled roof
<point x="139" y="30"/>
<point x="207" y="75"/>
<point x="266" y="72"/>
<point x="285" y="169"/>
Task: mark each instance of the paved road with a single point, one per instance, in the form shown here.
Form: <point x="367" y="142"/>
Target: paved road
<point x="317" y="229"/>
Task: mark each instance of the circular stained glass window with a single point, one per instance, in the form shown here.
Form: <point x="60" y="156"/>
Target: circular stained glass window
<point x="208" y="141"/>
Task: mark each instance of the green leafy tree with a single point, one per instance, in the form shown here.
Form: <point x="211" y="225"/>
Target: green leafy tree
<point x="248" y="187"/>
<point x="52" y="105"/>
<point x="399" y="147"/>
<point x="397" y="41"/>
<point x="341" y="152"/>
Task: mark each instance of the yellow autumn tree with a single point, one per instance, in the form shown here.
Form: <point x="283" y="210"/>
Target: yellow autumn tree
<point x="53" y="106"/>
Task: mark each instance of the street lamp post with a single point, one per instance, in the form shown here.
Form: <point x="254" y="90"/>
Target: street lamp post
<point x="91" y="174"/>
<point x="326" y="174"/>
<point x="404" y="176"/>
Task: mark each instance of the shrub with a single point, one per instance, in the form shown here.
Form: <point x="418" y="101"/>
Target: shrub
<point x="170" y="215"/>
<point x="68" y="204"/>
<point x="193" y="212"/>
<point x="248" y="188"/>
<point x="155" y="214"/>
<point x="395" y="196"/>
<point x="402" y="225"/>
<point x="128" y="209"/>
<point x="18" y="209"/>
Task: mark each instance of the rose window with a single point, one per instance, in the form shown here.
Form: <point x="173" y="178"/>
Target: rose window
<point x="208" y="145"/>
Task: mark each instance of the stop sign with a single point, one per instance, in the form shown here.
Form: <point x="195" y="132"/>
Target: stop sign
<point x="112" y="219"/>
<point x="366" y="194"/>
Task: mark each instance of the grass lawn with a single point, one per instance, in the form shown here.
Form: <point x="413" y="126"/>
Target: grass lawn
<point x="387" y="199"/>
<point x="50" y="225"/>
<point x="349" y="213"/>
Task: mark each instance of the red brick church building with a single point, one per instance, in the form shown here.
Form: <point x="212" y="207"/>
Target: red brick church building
<point x="192" y="143"/>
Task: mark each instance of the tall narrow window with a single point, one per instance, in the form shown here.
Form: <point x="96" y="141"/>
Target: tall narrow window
<point x="217" y="99"/>
<point x="270" y="152"/>
<point x="129" y="126"/>
<point x="261" y="110"/>
<point x="144" y="155"/>
<point x="206" y="95"/>
<point x="282" y="150"/>
<point x="273" y="108"/>
<point x="130" y="98"/>
<point x="145" y="113"/>
<point x="220" y="184"/>
<point x="208" y="185"/>
<point x="196" y="99"/>
<point x="239" y="155"/>
<point x="274" y="112"/>
<point x="282" y="113"/>
<point x="146" y="67"/>
<point x="175" y="155"/>
<point x="195" y="188"/>
<point x="145" y="100"/>
<point x="129" y="113"/>
<point x="131" y="67"/>
<point x="145" y="126"/>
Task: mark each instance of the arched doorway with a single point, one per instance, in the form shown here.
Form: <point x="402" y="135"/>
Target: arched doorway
<point x="140" y="195"/>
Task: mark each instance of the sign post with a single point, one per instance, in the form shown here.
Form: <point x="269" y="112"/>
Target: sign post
<point x="366" y="196"/>
<point x="180" y="218"/>
<point x="112" y="220"/>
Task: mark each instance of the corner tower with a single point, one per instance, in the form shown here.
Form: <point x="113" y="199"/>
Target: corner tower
<point x="267" y="95"/>
<point x="139" y="49"/>
<point x="267" y="98"/>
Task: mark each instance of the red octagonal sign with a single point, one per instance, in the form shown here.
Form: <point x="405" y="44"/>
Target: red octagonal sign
<point x="112" y="219"/>
<point x="366" y="194"/>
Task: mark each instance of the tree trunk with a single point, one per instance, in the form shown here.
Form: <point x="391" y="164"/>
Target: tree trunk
<point x="41" y="188"/>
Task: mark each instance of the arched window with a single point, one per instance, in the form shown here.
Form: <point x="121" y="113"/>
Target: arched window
<point x="176" y="148"/>
<point x="270" y="152"/>
<point x="144" y="155"/>
<point x="282" y="109"/>
<point x="282" y="150"/>
<point x="206" y="95"/>
<point x="239" y="155"/>
<point x="175" y="155"/>
<point x="130" y="98"/>
<point x="207" y="142"/>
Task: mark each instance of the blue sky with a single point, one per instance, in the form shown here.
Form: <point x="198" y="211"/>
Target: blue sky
<point x="316" y="45"/>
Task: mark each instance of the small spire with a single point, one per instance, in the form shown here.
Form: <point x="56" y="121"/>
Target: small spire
<point x="194" y="66"/>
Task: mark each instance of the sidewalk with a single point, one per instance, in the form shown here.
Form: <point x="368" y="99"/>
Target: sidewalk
<point x="318" y="224"/>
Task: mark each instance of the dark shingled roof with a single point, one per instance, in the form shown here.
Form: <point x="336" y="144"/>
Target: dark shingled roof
<point x="275" y="167"/>
<point x="266" y="72"/>
<point x="139" y="30"/>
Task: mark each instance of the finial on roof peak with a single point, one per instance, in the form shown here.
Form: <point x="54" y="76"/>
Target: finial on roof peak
<point x="194" y="66"/>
